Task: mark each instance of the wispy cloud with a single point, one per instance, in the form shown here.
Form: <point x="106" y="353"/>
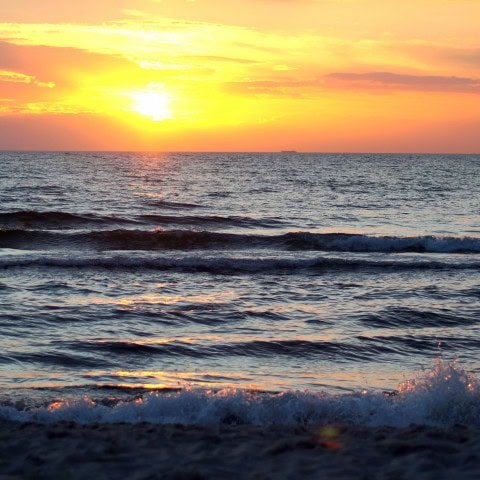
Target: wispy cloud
<point x="51" y="79"/>
<point x="18" y="77"/>
<point x="395" y="81"/>
<point x="443" y="56"/>
<point x="61" y="65"/>
<point x="275" y="88"/>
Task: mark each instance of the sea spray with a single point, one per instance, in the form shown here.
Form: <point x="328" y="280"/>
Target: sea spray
<point x="444" y="396"/>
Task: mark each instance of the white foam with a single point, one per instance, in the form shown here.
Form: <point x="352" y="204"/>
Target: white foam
<point x="445" y="396"/>
<point x="365" y="243"/>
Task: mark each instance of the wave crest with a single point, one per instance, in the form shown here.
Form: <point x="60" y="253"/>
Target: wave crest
<point x="445" y="396"/>
<point x="154" y="240"/>
<point x="229" y="265"/>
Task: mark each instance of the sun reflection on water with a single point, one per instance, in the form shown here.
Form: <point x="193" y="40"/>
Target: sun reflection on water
<point x="179" y="380"/>
<point x="160" y="299"/>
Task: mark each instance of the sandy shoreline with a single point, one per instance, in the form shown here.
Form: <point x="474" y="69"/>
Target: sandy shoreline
<point x="144" y="451"/>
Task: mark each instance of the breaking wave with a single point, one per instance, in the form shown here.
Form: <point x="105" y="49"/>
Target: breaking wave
<point x="445" y="396"/>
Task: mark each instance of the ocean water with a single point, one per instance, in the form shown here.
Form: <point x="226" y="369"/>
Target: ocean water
<point x="240" y="287"/>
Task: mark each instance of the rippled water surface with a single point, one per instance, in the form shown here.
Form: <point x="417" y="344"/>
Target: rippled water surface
<point x="121" y="273"/>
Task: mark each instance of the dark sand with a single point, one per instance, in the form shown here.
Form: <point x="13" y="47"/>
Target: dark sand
<point x="143" y="451"/>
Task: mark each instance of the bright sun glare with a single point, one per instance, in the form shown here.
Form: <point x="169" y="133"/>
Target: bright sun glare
<point x="152" y="104"/>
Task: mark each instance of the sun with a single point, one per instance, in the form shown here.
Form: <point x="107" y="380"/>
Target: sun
<point x="153" y="104"/>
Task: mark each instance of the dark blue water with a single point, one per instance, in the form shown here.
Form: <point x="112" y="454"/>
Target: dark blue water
<point x="266" y="274"/>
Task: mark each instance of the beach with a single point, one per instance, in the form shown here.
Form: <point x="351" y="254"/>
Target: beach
<point x="68" y="450"/>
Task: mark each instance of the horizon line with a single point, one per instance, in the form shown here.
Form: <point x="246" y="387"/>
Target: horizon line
<point x="285" y="152"/>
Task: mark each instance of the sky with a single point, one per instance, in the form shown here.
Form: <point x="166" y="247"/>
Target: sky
<point x="251" y="75"/>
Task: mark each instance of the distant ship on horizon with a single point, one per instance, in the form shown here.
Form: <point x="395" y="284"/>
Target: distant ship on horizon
<point x="288" y="151"/>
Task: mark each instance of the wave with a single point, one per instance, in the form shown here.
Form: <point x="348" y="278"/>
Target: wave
<point x="171" y="205"/>
<point x="402" y="317"/>
<point x="33" y="219"/>
<point x="445" y="396"/>
<point x="362" y="348"/>
<point x="152" y="240"/>
<point x="256" y="348"/>
<point x="53" y="220"/>
<point x="212" y="221"/>
<point x="229" y="265"/>
<point x="56" y="359"/>
<point x="346" y="242"/>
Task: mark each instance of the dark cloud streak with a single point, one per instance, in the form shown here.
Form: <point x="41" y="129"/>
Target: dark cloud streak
<point x="395" y="81"/>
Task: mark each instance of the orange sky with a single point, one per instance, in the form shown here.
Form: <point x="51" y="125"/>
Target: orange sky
<point x="250" y="75"/>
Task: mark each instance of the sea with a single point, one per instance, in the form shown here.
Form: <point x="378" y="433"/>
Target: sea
<point x="257" y="288"/>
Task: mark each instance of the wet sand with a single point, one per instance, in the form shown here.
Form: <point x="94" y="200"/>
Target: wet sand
<point x="67" y="450"/>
